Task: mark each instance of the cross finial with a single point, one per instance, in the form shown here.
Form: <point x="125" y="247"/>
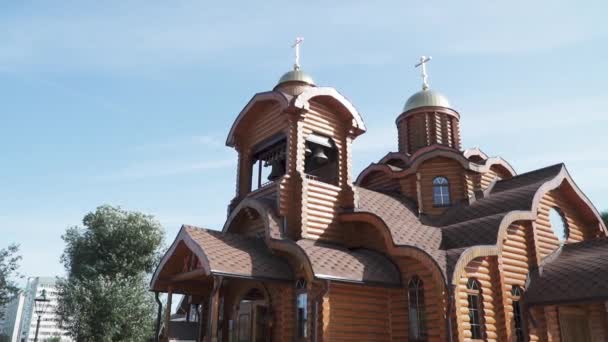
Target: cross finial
<point x="422" y="63"/>
<point x="296" y="45"/>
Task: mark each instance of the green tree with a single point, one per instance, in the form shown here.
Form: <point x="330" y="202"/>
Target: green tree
<point x="9" y="263"/>
<point x="105" y="296"/>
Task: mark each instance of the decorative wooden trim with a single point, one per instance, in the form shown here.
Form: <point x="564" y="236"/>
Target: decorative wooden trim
<point x="269" y="96"/>
<point x="430" y="152"/>
<point x="303" y="102"/>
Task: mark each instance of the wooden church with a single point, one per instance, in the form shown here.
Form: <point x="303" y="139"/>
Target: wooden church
<point x="430" y="243"/>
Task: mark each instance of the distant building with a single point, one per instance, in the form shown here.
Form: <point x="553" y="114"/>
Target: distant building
<point x="11" y="322"/>
<point x="27" y="317"/>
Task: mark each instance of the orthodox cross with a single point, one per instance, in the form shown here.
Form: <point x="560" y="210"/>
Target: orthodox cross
<point x="422" y="63"/>
<point x="296" y="45"/>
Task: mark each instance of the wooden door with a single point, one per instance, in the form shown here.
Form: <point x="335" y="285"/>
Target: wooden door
<point x="574" y="325"/>
<point x="251" y="322"/>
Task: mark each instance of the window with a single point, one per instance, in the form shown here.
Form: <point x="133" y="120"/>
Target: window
<point x="441" y="192"/>
<point x="516" y="292"/>
<point x="302" y="308"/>
<point x="475" y="311"/>
<point x="417" y="330"/>
<point x="559" y="224"/>
<point x="321" y="159"/>
<point x="268" y="162"/>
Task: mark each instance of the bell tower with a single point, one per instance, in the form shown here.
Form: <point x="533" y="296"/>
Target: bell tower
<point x="294" y="146"/>
<point x="427" y="119"/>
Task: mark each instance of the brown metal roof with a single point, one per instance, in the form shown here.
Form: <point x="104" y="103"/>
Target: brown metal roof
<point x="359" y="265"/>
<point x="577" y="272"/>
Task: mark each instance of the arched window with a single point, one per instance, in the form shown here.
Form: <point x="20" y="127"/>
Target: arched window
<point x="559" y="224"/>
<point x="441" y="192"/>
<point x="475" y="310"/>
<point x="301" y="309"/>
<point x="417" y="321"/>
<point x="516" y="293"/>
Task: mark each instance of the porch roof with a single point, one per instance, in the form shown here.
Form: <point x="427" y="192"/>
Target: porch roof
<point x="360" y="265"/>
<point x="577" y="272"/>
<point x="222" y="254"/>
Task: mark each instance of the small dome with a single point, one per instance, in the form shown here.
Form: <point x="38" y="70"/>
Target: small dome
<point x="296" y="76"/>
<point x="426" y="98"/>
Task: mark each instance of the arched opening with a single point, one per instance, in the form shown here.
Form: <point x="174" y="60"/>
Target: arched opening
<point x="253" y="319"/>
<point x="518" y="321"/>
<point x="559" y="224"/>
<point x="475" y="309"/>
<point x="417" y="316"/>
<point x="441" y="192"/>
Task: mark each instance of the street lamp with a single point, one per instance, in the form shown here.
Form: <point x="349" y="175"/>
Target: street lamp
<point x="40" y="305"/>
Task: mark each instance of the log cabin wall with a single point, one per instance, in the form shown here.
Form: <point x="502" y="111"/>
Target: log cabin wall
<point x="434" y="301"/>
<point x="409" y="187"/>
<point x="356" y="313"/>
<point x="444" y="167"/>
<point x="380" y="181"/>
<point x="546" y="240"/>
<point x="321" y="201"/>
<point x="484" y="270"/>
<point x="597" y="322"/>
<point x="268" y="122"/>
<point x="424" y="128"/>
<point x="515" y="259"/>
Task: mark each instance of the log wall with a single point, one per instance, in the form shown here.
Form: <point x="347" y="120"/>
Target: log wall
<point x="516" y="258"/>
<point x="546" y="240"/>
<point x="445" y="167"/>
<point x="356" y="313"/>
<point x="484" y="270"/>
<point x="434" y="297"/>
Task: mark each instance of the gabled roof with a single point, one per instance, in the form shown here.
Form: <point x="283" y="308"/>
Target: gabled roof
<point x="577" y="272"/>
<point x="224" y="254"/>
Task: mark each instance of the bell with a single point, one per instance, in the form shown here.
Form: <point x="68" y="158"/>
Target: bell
<point x="319" y="156"/>
<point x="307" y="151"/>
<point x="278" y="169"/>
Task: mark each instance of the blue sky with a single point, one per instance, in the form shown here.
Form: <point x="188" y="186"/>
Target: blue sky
<point x="129" y="102"/>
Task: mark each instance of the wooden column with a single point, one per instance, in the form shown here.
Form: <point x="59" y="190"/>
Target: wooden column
<point x="168" y="312"/>
<point x="214" y="305"/>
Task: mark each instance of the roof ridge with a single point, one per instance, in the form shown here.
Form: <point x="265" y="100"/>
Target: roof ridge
<point x="532" y="172"/>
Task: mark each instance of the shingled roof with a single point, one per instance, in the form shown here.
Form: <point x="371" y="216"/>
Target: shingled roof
<point x="460" y="227"/>
<point x="359" y="265"/>
<point x="576" y="272"/>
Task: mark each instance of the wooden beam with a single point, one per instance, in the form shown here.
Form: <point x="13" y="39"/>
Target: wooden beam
<point x="188" y="275"/>
<point x="214" y="305"/>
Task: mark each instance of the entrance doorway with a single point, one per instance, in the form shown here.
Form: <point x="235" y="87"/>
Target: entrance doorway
<point x="252" y="319"/>
<point x="574" y="324"/>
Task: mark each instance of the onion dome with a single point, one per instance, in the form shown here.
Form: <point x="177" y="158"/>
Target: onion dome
<point x="296" y="75"/>
<point x="426" y="98"/>
<point x="294" y="82"/>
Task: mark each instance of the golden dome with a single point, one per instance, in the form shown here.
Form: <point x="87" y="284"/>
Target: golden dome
<point x="296" y="75"/>
<point x="426" y="98"/>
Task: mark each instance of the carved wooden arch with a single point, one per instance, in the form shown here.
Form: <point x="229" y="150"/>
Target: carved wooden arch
<point x="430" y="152"/>
<point x="525" y="215"/>
<point x="182" y="238"/>
<point x="272" y="234"/>
<point x="393" y="249"/>
<point x="251" y="286"/>
<point x="303" y="102"/>
<point x="270" y="96"/>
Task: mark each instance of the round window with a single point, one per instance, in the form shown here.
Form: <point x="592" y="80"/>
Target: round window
<point x="559" y="224"/>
